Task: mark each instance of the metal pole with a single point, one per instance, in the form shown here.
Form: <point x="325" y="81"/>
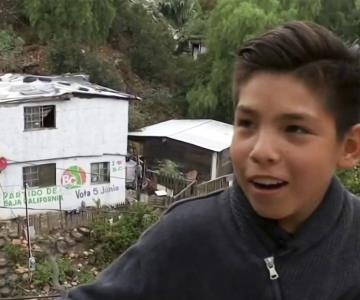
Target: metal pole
<point x="27" y="221"/>
<point x="61" y="214"/>
<point x="32" y="262"/>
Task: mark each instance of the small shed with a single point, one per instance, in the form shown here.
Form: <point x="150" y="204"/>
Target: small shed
<point x="201" y="145"/>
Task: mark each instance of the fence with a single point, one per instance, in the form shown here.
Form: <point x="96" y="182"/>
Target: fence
<point x="49" y="222"/>
<point x="174" y="183"/>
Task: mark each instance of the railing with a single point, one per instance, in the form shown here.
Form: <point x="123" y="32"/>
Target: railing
<point x="213" y="185"/>
<point x="194" y="189"/>
<point x="187" y="192"/>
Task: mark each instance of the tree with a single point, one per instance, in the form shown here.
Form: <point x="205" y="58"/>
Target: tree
<point x="342" y="17"/>
<point x="351" y="179"/>
<point x="178" y="12"/>
<point x="81" y="20"/>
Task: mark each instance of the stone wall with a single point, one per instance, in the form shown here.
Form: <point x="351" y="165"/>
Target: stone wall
<point x="15" y="277"/>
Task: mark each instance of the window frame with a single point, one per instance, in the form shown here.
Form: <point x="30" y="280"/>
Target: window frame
<point x="34" y="117"/>
<point x="35" y="173"/>
<point x="102" y="177"/>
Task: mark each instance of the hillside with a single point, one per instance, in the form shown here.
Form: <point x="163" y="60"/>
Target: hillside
<point x="136" y="55"/>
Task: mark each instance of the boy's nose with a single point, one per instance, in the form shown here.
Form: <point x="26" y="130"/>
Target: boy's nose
<point x="264" y="150"/>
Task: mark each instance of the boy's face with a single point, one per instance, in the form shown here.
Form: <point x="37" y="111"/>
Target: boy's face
<point x="284" y="149"/>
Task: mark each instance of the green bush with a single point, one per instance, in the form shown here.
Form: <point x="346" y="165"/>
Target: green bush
<point x="16" y="254"/>
<point x="148" y="42"/>
<point x="11" y="49"/>
<point x="45" y="272"/>
<point x="351" y="179"/>
<point x="112" y="240"/>
<point x="167" y="167"/>
<point x="85" y="276"/>
<point x="67" y="57"/>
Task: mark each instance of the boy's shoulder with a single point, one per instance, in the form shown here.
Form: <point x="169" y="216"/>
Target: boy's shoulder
<point x="354" y="202"/>
<point x="188" y="220"/>
<point x="204" y="204"/>
<point x="196" y="214"/>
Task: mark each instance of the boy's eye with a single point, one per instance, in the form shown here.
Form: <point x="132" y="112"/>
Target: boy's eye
<point x="245" y="123"/>
<point x="296" y="129"/>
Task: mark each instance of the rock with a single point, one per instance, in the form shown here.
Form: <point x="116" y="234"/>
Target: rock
<point x="76" y="235"/>
<point x="13" y="235"/>
<point x="2" y="282"/>
<point x="3" y="262"/>
<point x="3" y="271"/>
<point x="74" y="283"/>
<point x="84" y="230"/>
<point x="85" y="254"/>
<point x="36" y="248"/>
<point x="5" y="291"/>
<point x="69" y="240"/>
<point x="21" y="270"/>
<point x="73" y="255"/>
<point x="61" y="246"/>
<point x="46" y="288"/>
<point x="16" y="242"/>
<point x="80" y="265"/>
<point x="2" y="242"/>
<point x="13" y="277"/>
<point x="25" y="276"/>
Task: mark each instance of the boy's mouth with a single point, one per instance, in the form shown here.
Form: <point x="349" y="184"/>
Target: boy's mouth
<point x="267" y="183"/>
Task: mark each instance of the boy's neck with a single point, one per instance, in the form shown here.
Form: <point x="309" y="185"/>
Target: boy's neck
<point x="293" y="222"/>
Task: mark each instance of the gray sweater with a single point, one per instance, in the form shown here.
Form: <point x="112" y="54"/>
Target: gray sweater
<point x="216" y="247"/>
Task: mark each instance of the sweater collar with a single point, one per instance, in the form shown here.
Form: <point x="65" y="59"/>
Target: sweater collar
<point x="277" y="240"/>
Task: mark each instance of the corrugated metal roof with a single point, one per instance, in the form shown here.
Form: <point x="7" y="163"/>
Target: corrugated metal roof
<point x="19" y="88"/>
<point x="208" y="134"/>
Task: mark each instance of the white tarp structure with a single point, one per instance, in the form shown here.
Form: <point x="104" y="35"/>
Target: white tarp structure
<point x="209" y="134"/>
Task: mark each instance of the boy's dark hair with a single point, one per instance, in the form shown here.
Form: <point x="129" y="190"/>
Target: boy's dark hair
<point x="313" y="54"/>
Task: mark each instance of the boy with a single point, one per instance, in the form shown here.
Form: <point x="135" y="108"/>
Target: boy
<point x="287" y="229"/>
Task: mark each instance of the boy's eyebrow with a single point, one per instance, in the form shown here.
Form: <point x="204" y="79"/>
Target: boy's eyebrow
<point x="295" y="116"/>
<point x="245" y="109"/>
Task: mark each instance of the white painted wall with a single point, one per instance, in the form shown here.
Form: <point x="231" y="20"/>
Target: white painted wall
<point x="84" y="127"/>
<point x="12" y="197"/>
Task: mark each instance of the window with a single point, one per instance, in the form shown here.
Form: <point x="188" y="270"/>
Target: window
<point x="100" y="172"/>
<point x="40" y="176"/>
<point x="37" y="117"/>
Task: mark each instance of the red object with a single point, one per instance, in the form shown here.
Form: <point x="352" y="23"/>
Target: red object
<point x="3" y="163"/>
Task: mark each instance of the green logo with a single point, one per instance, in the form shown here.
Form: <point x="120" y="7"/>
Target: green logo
<point x="73" y="177"/>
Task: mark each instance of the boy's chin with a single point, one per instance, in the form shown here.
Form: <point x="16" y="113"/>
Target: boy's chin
<point x="274" y="214"/>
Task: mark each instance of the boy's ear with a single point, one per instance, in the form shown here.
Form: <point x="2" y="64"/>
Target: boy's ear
<point x="351" y="149"/>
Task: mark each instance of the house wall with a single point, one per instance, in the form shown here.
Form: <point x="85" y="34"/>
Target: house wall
<point x="84" y="127"/>
<point x="224" y="165"/>
<point x="71" y="197"/>
<point x="188" y="157"/>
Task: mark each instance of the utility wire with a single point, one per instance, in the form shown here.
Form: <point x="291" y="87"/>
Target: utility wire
<point x="62" y="169"/>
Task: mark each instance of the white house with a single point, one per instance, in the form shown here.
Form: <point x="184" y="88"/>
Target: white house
<point x="63" y="138"/>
